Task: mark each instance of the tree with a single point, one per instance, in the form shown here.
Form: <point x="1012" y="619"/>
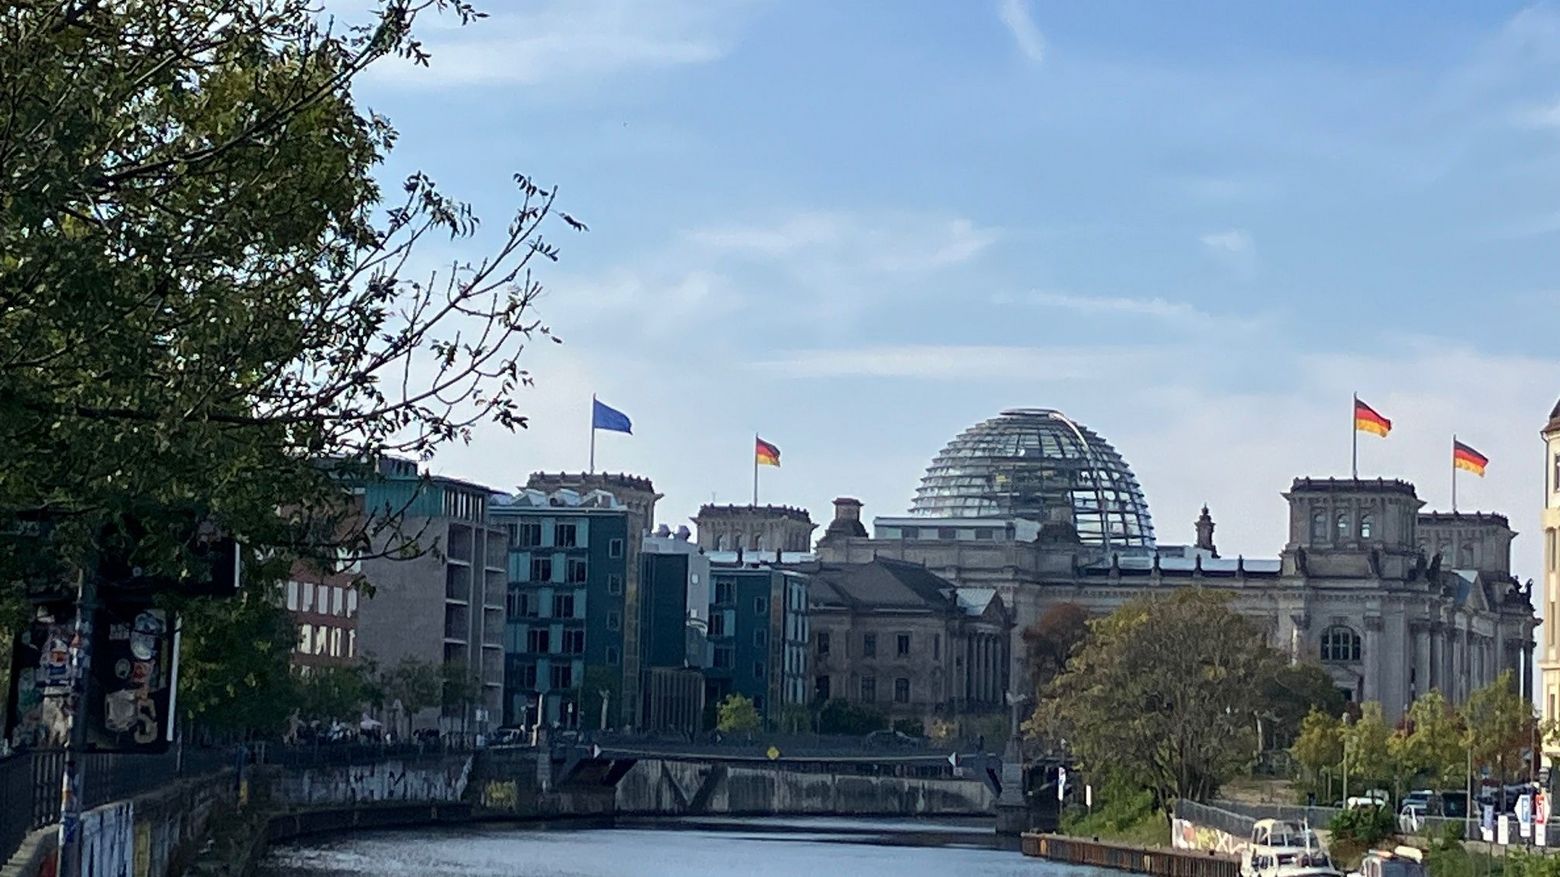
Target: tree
<point x="1499" y="727"/>
<point x="338" y="694"/>
<point x="1049" y="643"/>
<point x="1164" y="695"/>
<point x="737" y="715"/>
<point x="201" y="280"/>
<point x="1293" y="691"/>
<point x="413" y="686"/>
<point x="235" y="664"/>
<point x="1367" y="750"/>
<point x="839" y="716"/>
<point x="1431" y="745"/>
<point x="459" y="689"/>
<point x="1318" y="748"/>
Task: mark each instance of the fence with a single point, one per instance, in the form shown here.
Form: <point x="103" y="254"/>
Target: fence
<point x="30" y="783"/>
<point x="1234" y="824"/>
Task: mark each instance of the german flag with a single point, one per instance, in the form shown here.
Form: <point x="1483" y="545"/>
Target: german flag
<point x="765" y="453"/>
<point x="1467" y="459"/>
<point x="1366" y="419"/>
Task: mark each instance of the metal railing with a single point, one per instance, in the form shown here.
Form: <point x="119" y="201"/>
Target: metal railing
<point x="1228" y="821"/>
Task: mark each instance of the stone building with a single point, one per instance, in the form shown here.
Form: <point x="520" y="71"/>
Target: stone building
<point x="896" y="636"/>
<point x="754" y="528"/>
<point x="1391" y="600"/>
<point x="1549" y="658"/>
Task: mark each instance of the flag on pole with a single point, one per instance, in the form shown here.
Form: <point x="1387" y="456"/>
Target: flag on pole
<point x="765" y="453"/>
<point x="1367" y="419"/>
<point x="1467" y="459"/>
<point x="609" y="418"/>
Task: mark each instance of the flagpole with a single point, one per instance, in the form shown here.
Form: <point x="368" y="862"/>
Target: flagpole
<point x="1454" y="473"/>
<point x="1354" y="432"/>
<point x="755" y="470"/>
<point x="592" y="433"/>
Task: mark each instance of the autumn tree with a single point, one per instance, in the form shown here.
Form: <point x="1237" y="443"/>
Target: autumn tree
<point x="206" y="306"/>
<point x="1318" y="747"/>
<point x="736" y="715"/>
<point x="1164" y="695"/>
<point x="1367" y="750"/>
<point x="1430" y="745"/>
<point x="1049" y="643"/>
<point x="1499" y="727"/>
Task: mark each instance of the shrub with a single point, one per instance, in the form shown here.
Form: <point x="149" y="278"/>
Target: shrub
<point x="910" y="727"/>
<point x="1363" y="825"/>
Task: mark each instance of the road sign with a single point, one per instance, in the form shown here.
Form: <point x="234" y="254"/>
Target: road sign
<point x="1541" y="807"/>
<point x="953" y="759"/>
<point x="595" y="750"/>
<point x="1540" y="834"/>
<point x="1061" y="783"/>
<point x="773" y="753"/>
<point x="1503" y="829"/>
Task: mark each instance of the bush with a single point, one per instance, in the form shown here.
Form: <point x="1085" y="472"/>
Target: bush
<point x="844" y="717"/>
<point x="910" y="727"/>
<point x="1363" y="825"/>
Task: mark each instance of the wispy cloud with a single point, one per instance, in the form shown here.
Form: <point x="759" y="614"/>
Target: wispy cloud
<point x="876" y="242"/>
<point x="1016" y="15"/>
<point x="568" y="42"/>
<point x="1156" y="307"/>
<point x="1231" y="241"/>
<point x="1541" y="116"/>
<point x="954" y="362"/>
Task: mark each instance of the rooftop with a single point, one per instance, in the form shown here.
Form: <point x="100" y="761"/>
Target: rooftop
<point x="768" y="511"/>
<point x="1464" y="518"/>
<point x="1352" y="485"/>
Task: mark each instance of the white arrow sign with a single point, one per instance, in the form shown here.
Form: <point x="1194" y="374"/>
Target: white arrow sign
<point x="953" y="759"/>
<point x="595" y="751"/>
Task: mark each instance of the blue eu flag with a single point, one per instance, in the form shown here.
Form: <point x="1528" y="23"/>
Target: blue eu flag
<point x="609" y="418"/>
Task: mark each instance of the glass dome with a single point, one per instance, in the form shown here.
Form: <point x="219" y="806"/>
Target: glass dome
<point x="1035" y="463"/>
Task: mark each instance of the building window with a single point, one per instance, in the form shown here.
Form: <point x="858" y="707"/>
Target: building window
<point x="722" y="658"/>
<point x="869" y="645"/>
<point x="909" y="533"/>
<point x="351" y="643"/>
<point x="614" y="621"/>
<point x="615" y="548"/>
<point x="1318" y="526"/>
<point x="562" y="674"/>
<point x="1343" y="526"/>
<point x="526" y="535"/>
<point x="760" y="637"/>
<point x="614" y="584"/>
<point x="308" y="597"/>
<point x="760" y="605"/>
<point x="1465" y="556"/>
<point x="575" y="571"/>
<point x="305" y="637"/>
<point x="1340" y="644"/>
<point x="717" y="624"/>
<point x="901" y="690"/>
<point x="823" y="644"/>
<point x="902" y="645"/>
<point x="613" y="655"/>
<point x="352" y="602"/>
<point x="539" y="640"/>
<point x="936" y="647"/>
<point x="1367" y="526"/>
<point x="868" y="689"/>
<point x="758" y="670"/>
<point x="527" y="675"/>
<point x="821" y="688"/>
<point x="724" y="592"/>
<point x="292" y="587"/>
<point x="985" y="534"/>
<point x="563" y="606"/>
<point x="566" y="535"/>
<point x="541" y="569"/>
<point x="573" y="641"/>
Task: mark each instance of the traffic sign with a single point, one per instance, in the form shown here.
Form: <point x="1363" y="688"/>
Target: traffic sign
<point x="773" y="753"/>
<point x="1541" y="807"/>
<point x="953" y="759"/>
<point x="595" y="750"/>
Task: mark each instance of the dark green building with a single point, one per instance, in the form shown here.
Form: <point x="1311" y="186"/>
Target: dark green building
<point x="758" y="631"/>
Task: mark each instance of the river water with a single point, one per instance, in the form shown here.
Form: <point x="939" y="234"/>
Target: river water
<point x="685" y="848"/>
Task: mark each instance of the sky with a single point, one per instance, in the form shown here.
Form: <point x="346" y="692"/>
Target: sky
<point x="857" y="228"/>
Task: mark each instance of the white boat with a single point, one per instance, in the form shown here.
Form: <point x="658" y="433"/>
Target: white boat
<point x="1285" y="849"/>
<point x="1401" y="862"/>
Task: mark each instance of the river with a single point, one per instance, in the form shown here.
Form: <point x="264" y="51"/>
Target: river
<point x="685" y="848"/>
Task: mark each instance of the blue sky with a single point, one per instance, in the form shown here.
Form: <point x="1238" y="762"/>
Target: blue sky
<point x="857" y="228"/>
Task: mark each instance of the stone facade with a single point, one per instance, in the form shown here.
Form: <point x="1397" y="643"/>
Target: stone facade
<point x="1351" y="589"/>
<point x="897" y="637"/>
<point x="754" y="528"/>
<point x="1549" y="658"/>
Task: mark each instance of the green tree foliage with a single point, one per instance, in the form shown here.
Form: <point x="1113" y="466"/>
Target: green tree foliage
<point x="1430" y="748"/>
<point x="1365" y="826"/>
<point x="1367" y="750"/>
<point x="600" y="682"/>
<point x="843" y="717"/>
<point x="794" y="719"/>
<point x="1165" y="694"/>
<point x="235" y="673"/>
<point x="1499" y="727"/>
<point x="459" y="688"/>
<point x="1049" y="643"/>
<point x="1318" y="748"/>
<point x="413" y="686"/>
<point x="1293" y="691"/>
<point x="202" y="293"/>
<point x="737" y="715"/>
<point x="338" y="694"/>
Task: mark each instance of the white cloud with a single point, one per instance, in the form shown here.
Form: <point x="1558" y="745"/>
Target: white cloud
<point x="879" y="242"/>
<point x="1544" y="116"/>
<point x="1231" y="241"/>
<point x="954" y="362"/>
<point x="566" y="42"/>
<point x="1156" y="307"/>
<point x="1015" y="14"/>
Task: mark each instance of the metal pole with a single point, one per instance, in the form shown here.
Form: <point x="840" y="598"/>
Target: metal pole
<point x="1454" y="473"/>
<point x="755" y="469"/>
<point x="71" y="785"/>
<point x="1354" y="433"/>
<point x="592" y="433"/>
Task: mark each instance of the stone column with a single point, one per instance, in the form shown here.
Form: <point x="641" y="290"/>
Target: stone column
<point x="1420" y="659"/>
<point x="1374" y="663"/>
<point x="1434" y="675"/>
<point x="1527" y="669"/>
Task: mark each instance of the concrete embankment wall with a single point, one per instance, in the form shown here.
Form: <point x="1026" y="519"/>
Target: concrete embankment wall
<point x="153" y="835"/>
<point x="1158" y="862"/>
<point x="664" y="787"/>
<point x="432" y="778"/>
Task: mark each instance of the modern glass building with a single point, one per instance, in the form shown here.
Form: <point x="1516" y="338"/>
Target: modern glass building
<point x="1037" y="464"/>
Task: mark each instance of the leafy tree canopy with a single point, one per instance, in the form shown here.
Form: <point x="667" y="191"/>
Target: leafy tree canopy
<point x="736" y="715"/>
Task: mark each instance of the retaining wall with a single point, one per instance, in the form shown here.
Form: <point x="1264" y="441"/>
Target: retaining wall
<point x="657" y="787"/>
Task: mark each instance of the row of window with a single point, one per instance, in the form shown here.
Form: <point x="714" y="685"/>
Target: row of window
<point x="869" y="686"/>
<point x="566" y="534"/>
<point x="324" y="599"/>
<point x="325" y="639"/>
<point x="723" y="657"/>
<point x="1342" y="526"/>
<point x="869" y="645"/>
<point x="528" y="604"/>
<point x="575" y="570"/>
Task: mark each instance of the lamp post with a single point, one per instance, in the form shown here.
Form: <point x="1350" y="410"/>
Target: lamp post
<point x="1345" y="736"/>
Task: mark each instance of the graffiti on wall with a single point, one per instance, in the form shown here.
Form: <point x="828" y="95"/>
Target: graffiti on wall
<point x="108" y="841"/>
<point x="392" y="780"/>
<point x="1188" y="835"/>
